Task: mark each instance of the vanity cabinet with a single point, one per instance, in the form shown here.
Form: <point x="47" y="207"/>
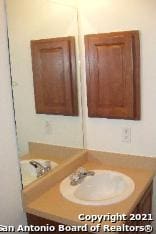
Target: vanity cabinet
<point x="113" y="75"/>
<point x="143" y="207"/>
<point x="54" y="75"/>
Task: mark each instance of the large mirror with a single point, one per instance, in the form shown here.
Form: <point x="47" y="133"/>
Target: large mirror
<point x="34" y="20"/>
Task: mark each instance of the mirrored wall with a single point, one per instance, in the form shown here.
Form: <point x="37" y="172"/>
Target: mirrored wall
<point x="34" y="20"/>
<point x="39" y="20"/>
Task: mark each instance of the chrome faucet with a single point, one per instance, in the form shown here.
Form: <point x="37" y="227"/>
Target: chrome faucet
<point x="40" y="169"/>
<point x="78" y="176"/>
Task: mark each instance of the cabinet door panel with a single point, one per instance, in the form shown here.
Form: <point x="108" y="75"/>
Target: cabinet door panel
<point x="54" y="76"/>
<point x="145" y="205"/>
<point x="110" y="75"/>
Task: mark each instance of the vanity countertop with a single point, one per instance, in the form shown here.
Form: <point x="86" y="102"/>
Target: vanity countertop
<point x="51" y="204"/>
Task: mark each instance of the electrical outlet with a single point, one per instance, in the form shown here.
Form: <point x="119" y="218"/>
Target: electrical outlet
<point x="126" y="135"/>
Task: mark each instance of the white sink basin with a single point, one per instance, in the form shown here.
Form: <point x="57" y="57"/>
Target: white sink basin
<point x="104" y="188"/>
<point x="28" y="171"/>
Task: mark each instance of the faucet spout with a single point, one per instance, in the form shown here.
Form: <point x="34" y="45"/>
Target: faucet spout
<point x="79" y="175"/>
<point x="36" y="164"/>
<point x="40" y="169"/>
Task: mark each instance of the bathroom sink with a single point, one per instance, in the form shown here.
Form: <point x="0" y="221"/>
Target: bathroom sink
<point x="106" y="187"/>
<point x="28" y="171"/>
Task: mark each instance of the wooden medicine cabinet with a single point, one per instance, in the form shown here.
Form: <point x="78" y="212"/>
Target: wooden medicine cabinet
<point x="54" y="74"/>
<point x="113" y="75"/>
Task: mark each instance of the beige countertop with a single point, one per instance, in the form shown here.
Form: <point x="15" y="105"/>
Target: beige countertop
<point x="51" y="204"/>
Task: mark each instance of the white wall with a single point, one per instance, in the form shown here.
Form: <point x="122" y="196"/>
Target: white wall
<point x="30" y="20"/>
<point x="107" y="16"/>
<point x="11" y="212"/>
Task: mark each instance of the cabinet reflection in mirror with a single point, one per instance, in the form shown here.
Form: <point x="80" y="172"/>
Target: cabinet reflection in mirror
<point x="30" y="21"/>
<point x="55" y="76"/>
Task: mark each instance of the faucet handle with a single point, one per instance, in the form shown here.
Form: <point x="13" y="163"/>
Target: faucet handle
<point x="81" y="171"/>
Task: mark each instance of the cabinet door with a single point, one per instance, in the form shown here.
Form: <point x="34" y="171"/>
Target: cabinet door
<point x="112" y="67"/>
<point x="145" y="205"/>
<point x="54" y="73"/>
